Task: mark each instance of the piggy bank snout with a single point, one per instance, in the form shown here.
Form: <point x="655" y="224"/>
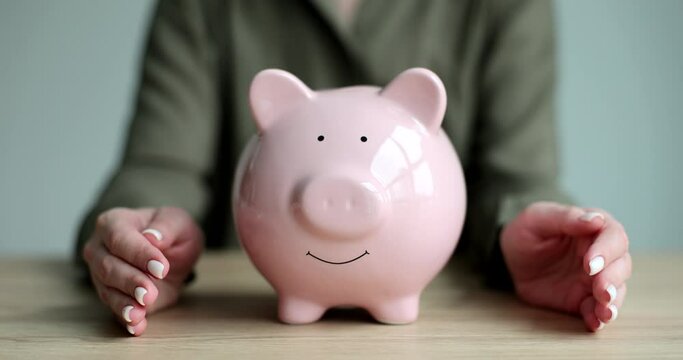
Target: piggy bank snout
<point x="340" y="208"/>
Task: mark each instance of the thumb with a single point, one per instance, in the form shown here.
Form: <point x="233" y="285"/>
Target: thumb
<point x="552" y="219"/>
<point x="170" y="227"/>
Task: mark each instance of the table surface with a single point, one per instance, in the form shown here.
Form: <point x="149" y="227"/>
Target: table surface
<point x="230" y="311"/>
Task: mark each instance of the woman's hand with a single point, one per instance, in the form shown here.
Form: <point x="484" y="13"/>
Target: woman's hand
<point x="568" y="259"/>
<point x="139" y="260"/>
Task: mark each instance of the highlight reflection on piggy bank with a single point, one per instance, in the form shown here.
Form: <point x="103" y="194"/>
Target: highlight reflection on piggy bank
<point x="351" y="196"/>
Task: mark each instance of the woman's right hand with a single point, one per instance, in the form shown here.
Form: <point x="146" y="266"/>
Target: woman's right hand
<point x="139" y="260"/>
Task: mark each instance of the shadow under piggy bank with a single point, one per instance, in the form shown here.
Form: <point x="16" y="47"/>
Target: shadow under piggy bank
<point x="258" y="307"/>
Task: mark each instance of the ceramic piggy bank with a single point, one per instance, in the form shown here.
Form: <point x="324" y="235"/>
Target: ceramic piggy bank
<point x="349" y="197"/>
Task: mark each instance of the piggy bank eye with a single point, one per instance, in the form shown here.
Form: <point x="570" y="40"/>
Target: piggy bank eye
<point x="363" y="139"/>
<point x="321" y="138"/>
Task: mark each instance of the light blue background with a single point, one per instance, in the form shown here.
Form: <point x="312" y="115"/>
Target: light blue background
<point x="68" y="71"/>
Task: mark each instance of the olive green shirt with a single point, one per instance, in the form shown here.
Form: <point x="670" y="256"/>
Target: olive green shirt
<point x="191" y="120"/>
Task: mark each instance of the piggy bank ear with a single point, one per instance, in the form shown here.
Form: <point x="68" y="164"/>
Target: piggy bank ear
<point x="272" y="93"/>
<point x="421" y="93"/>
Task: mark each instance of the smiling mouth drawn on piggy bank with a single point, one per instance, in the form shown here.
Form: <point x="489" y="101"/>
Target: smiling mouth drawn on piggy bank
<point x="308" y="253"/>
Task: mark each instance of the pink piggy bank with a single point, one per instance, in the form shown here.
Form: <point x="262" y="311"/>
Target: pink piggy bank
<point x="349" y="197"/>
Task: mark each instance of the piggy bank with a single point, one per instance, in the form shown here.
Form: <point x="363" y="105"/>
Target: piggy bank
<point x="349" y="197"/>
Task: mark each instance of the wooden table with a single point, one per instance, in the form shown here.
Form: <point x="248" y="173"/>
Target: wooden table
<point x="229" y="312"/>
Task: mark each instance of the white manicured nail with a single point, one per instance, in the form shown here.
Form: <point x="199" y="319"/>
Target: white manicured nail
<point x="140" y="295"/>
<point x="126" y="313"/>
<point x="615" y="312"/>
<point x="602" y="325"/>
<point x="612" y="291"/>
<point x="130" y="329"/>
<point x="156" y="233"/>
<point x="156" y="268"/>
<point x="596" y="265"/>
<point x="589" y="216"/>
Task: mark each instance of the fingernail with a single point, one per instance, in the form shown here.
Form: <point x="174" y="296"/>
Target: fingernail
<point x="602" y="325"/>
<point x="615" y="312"/>
<point x="126" y="313"/>
<point x="130" y="329"/>
<point x="589" y="216"/>
<point x="154" y="232"/>
<point x="140" y="295"/>
<point x="612" y="291"/>
<point x="156" y="268"/>
<point x="595" y="265"/>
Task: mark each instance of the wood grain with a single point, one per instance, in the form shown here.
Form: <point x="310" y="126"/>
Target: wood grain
<point x="229" y="312"/>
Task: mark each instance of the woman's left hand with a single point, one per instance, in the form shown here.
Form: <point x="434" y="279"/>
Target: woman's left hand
<point x="569" y="259"/>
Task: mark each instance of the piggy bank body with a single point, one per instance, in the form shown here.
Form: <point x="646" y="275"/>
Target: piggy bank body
<point x="349" y="197"/>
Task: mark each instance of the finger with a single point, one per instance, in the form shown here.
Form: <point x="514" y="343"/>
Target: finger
<point x="608" y="281"/>
<point x="116" y="216"/>
<point x="116" y="273"/>
<point x="137" y="329"/>
<point x="169" y="226"/>
<point x="610" y="244"/>
<point x="610" y="312"/>
<point x="549" y="219"/>
<point x="126" y="243"/>
<point x="621" y="296"/>
<point x="180" y="237"/>
<point x="119" y="229"/>
<point x="587" y="312"/>
<point x="124" y="307"/>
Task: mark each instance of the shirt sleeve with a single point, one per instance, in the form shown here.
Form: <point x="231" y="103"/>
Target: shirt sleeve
<point x="171" y="142"/>
<point x="514" y="155"/>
